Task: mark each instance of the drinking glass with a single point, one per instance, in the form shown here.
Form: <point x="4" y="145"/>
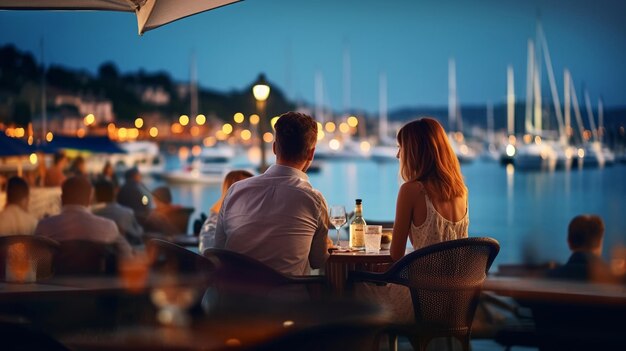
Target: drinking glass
<point x="373" y="234"/>
<point x="338" y="219"/>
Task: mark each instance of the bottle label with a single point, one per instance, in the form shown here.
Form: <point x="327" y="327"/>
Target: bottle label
<point x="357" y="238"/>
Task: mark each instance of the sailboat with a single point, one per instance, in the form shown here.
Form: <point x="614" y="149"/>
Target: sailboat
<point x="533" y="153"/>
<point x="463" y="152"/>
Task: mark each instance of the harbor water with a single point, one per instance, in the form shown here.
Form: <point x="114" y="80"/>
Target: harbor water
<point x="527" y="212"/>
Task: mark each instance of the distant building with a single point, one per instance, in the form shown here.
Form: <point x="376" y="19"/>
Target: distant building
<point x="155" y="95"/>
<point x="101" y="109"/>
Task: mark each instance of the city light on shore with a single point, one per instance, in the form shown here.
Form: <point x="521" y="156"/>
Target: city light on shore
<point x="200" y="119"/>
<point x="49" y="136"/>
<point x="245" y="134"/>
<point x="183" y="120"/>
<point x="138" y="122"/>
<point x="154" y="132"/>
<point x="353" y="121"/>
<point x="254" y="119"/>
<point x="268" y="137"/>
<point x="89" y="119"/>
<point x="238" y="117"/>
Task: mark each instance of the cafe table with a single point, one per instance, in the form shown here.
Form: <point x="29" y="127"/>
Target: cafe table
<point x="341" y="262"/>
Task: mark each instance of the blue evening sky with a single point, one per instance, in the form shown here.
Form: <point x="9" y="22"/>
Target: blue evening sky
<point x="291" y="40"/>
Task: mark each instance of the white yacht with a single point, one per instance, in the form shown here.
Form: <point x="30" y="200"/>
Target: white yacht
<point x="209" y="167"/>
<point x="144" y="155"/>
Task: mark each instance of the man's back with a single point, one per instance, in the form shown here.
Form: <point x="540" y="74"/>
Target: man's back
<point x="16" y="221"/>
<point x="276" y="218"/>
<point x="123" y="217"/>
<point x="77" y="223"/>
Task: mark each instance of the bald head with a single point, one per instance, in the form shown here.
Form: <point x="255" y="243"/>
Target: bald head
<point x="76" y="191"/>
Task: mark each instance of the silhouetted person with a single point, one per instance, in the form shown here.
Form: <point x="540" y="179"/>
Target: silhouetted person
<point x="584" y="237"/>
<point x="123" y="216"/>
<point x="15" y="219"/>
<point x="135" y="195"/>
<point x="160" y="219"/>
<point x="79" y="167"/>
<point x="55" y="175"/>
<point x="76" y="222"/>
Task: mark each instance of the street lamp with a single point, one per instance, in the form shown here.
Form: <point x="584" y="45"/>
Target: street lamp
<point x="261" y="91"/>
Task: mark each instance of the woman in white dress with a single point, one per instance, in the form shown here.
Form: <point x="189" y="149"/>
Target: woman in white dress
<point x="431" y="205"/>
<point x="432" y="202"/>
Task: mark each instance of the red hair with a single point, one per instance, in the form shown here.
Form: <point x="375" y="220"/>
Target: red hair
<point x="427" y="156"/>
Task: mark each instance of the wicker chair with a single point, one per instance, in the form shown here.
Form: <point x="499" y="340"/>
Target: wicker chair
<point x="445" y="281"/>
<point x="85" y="257"/>
<point x="37" y="250"/>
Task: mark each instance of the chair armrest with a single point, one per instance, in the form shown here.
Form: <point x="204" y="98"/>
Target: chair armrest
<point x="363" y="276"/>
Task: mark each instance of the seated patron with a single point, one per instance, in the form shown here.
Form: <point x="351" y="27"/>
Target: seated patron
<point x="55" y="175"/>
<point x="161" y="218"/>
<point x="124" y="217"/>
<point x="75" y="222"/>
<point x="585" y="237"/>
<point x="15" y="219"/>
<point x="207" y="233"/>
<point x="135" y="195"/>
<point x="277" y="217"/>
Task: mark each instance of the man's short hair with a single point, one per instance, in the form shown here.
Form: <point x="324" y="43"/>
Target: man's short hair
<point x="17" y="190"/>
<point x="585" y="232"/>
<point x="105" y="191"/>
<point x="76" y="191"/>
<point x="296" y="135"/>
<point x="131" y="173"/>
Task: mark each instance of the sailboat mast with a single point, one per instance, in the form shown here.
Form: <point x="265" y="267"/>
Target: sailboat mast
<point x="600" y="120"/>
<point x="346" y="80"/>
<point x="193" y="109"/>
<point x="579" y="119"/>
<point x="510" y="100"/>
<point x="44" y="109"/>
<point x="592" y="122"/>
<point x="566" y="104"/>
<point x="537" y="99"/>
<point x="319" y="96"/>
<point x="452" y="103"/>
<point x="530" y="74"/>
<point x="555" y="95"/>
<point x="382" y="107"/>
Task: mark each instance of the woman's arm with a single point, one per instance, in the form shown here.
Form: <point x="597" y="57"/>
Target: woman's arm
<point x="402" y="223"/>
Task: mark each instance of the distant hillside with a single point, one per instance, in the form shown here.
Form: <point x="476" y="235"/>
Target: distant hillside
<point x="20" y="91"/>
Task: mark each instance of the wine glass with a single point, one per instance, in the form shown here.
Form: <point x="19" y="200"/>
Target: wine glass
<point x="338" y="219"/>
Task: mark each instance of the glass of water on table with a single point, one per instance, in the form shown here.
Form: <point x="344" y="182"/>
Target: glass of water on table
<point x="338" y="219"/>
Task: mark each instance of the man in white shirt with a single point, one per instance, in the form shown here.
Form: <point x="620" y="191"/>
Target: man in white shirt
<point x="277" y="217"/>
<point x="76" y="222"/>
<point x="15" y="219"/>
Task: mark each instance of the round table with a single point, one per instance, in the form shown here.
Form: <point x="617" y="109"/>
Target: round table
<point x="340" y="263"/>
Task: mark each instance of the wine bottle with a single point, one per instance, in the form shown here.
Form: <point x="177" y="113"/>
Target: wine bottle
<point x="357" y="227"/>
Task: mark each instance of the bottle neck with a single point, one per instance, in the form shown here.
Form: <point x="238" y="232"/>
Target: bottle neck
<point x="358" y="211"/>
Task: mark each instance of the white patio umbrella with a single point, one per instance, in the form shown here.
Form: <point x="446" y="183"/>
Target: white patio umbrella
<point x="150" y="13"/>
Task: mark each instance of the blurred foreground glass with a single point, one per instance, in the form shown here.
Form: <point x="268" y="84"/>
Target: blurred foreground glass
<point x="373" y="236"/>
<point x="20" y="268"/>
<point x="338" y="219"/>
<point x="134" y="272"/>
<point x="173" y="300"/>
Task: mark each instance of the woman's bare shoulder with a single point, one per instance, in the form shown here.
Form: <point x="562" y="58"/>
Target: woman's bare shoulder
<point x="412" y="187"/>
